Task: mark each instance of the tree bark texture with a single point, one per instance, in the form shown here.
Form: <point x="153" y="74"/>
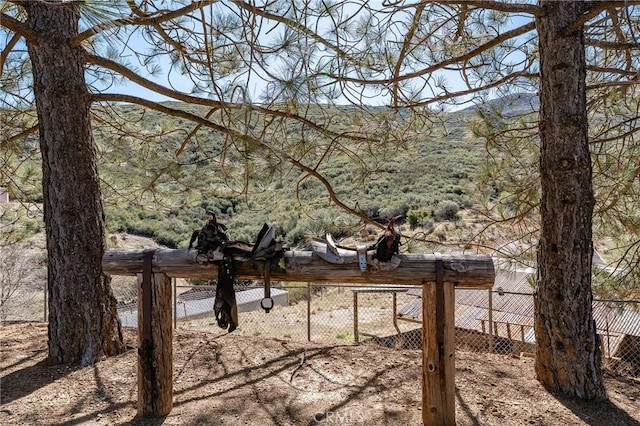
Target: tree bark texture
<point x="83" y="322"/>
<point x="567" y="347"/>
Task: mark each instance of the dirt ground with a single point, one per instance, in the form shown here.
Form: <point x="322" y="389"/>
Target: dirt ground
<point x="240" y="380"/>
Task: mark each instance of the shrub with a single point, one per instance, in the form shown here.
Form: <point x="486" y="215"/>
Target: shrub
<point x="419" y="217"/>
<point x="446" y="210"/>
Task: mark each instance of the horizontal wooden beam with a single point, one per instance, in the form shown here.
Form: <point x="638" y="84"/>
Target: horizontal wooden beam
<point x="470" y="271"/>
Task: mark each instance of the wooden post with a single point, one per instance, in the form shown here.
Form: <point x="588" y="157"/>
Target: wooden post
<point x="438" y="345"/>
<point x="155" y="384"/>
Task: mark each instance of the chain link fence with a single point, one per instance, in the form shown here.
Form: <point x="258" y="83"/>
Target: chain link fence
<point x="496" y="321"/>
<point x="303" y="312"/>
<point x="500" y="320"/>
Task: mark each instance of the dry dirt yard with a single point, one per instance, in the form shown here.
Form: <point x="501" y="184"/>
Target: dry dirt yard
<point x="239" y="380"/>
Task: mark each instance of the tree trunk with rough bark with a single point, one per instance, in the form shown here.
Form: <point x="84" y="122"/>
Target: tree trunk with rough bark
<point x="567" y="348"/>
<point x="83" y="322"/>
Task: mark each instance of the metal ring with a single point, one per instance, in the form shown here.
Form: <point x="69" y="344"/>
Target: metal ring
<point x="267" y="303"/>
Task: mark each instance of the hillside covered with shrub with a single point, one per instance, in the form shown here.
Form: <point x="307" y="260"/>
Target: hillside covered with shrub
<point x="158" y="183"/>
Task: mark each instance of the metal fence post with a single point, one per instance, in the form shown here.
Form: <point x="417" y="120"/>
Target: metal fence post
<point x="356" y="335"/>
<point x="308" y="311"/>
<point x="490" y="321"/>
<point x="395" y="313"/>
<point x="174" y="282"/>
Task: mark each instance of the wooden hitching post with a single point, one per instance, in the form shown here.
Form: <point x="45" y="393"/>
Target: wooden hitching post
<point x="438" y="345"/>
<point x="155" y="384"/>
<point x="438" y="397"/>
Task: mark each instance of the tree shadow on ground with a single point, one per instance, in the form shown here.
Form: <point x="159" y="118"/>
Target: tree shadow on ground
<point x="466" y="409"/>
<point x="598" y="413"/>
<point x="23" y="382"/>
<point x="333" y="414"/>
<point x="241" y="393"/>
<point x="35" y="354"/>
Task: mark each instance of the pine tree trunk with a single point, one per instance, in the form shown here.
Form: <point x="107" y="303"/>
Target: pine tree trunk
<point x="567" y="347"/>
<point x="83" y="322"/>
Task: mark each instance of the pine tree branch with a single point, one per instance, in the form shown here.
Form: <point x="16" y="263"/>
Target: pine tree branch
<point x="141" y="20"/>
<point x="612" y="45"/>
<point x="622" y="83"/>
<point x="440" y="65"/>
<point x="495" y="5"/>
<point x="12" y="24"/>
<point x="111" y="97"/>
<point x="609" y="70"/>
<point x="293" y="24"/>
<point x="595" y="8"/>
<point x="146" y="83"/>
<point x="5" y="53"/>
<point x="6" y="142"/>
<point x="415" y="24"/>
<point x="458" y="94"/>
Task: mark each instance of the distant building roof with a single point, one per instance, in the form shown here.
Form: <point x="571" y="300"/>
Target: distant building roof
<point x="198" y="303"/>
<point x="597" y="259"/>
<point x="513" y="304"/>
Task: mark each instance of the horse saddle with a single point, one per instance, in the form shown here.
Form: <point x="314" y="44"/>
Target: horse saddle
<point x="213" y="246"/>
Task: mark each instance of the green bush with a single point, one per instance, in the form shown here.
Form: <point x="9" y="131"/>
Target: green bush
<point x="419" y="217"/>
<point x="446" y="210"/>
